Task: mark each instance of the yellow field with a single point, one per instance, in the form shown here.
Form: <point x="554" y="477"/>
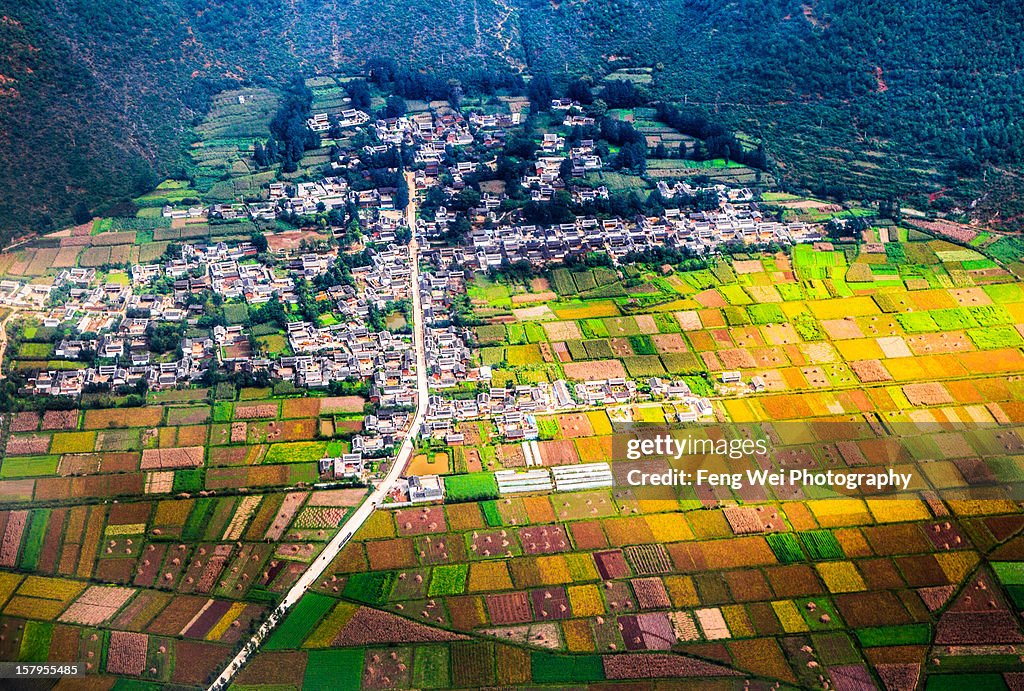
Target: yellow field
<point x="585" y="600"/>
<point x="599" y="422"/>
<point x="840" y="577"/>
<point x="489" y="575"/>
<point x="859" y="349"/>
<point x="669" y="527"/>
<point x="553" y="570"/>
<point x="843" y="307"/>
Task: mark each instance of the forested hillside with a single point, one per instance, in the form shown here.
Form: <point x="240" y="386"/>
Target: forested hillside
<point x="865" y="97"/>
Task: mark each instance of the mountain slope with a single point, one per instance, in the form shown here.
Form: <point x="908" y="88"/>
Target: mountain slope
<point x="883" y="96"/>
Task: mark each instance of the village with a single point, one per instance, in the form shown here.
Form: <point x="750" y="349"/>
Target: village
<point x="148" y="327"/>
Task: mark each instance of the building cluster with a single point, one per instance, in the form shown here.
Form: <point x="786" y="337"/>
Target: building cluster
<point x="699" y="232"/>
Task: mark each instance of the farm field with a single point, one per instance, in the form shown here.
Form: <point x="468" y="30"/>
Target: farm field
<point x="156" y="537"/>
<point x="124" y="534"/>
<point x="919" y="373"/>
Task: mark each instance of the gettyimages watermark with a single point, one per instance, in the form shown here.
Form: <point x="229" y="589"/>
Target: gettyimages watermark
<point x="819" y="459"/>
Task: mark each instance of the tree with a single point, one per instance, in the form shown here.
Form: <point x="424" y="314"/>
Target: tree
<point x="402" y="193"/>
<point x="81" y="213"/>
<point x="394" y="107"/>
<point x="579" y="90"/>
<point x="565" y="170"/>
<point x="164" y="338"/>
<point x="541" y="93"/>
<point x="621" y="93"/>
<point x="359" y="91"/>
<point x="259" y="155"/>
<point x="259" y="241"/>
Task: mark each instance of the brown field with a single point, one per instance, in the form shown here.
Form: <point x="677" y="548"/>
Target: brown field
<point x="464" y="516"/>
<point x="544" y="539"/>
<point x="594" y="369"/>
<point x="509" y="608"/>
<point x="60" y="419"/>
<point x="646" y="324"/>
<point x="391" y="554"/>
<point x="292" y="239"/>
<point x="342" y="404"/>
<point x="574" y="425"/>
<point x="25" y="422"/>
<point x="869" y="371"/>
<point x="526" y="298"/>
<point x="689" y="321"/>
<point x="420" y="521"/>
<point x="588" y="535"/>
<point x="28" y="445"/>
<point x="840" y="329"/>
<point x="66" y="257"/>
<point x="927" y="393"/>
<point x="561" y="452"/>
<point x="620" y="347"/>
<point x="511" y="455"/>
<point x="669" y="343"/>
<point x="947" y="342"/>
<point x="300" y="408"/>
<point x="184" y="457"/>
<point x="149" y="416"/>
<point x="711" y="298"/>
<point x="258" y="411"/>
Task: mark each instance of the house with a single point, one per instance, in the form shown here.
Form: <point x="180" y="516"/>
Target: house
<point x="425" y="488"/>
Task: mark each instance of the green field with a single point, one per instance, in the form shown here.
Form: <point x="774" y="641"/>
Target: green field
<point x="299" y="623"/>
<point x="459" y="488"/>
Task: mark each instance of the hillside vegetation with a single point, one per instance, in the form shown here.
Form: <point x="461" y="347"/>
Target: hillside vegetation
<point x="870" y="98"/>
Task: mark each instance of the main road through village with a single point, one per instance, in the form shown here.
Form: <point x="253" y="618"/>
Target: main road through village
<point x="366" y="509"/>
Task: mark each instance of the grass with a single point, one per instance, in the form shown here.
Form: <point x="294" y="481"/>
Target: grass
<point x="189" y="480"/>
<point x="995" y="337"/>
<point x="35" y="643"/>
<point x="952" y="319"/>
<point x="236" y="313"/>
<point x="644" y="366"/>
<point x="822" y="545"/>
<point x="786" y="547"/>
<point x="490" y="334"/>
<point x="494" y="294"/>
<point x="296" y="452"/>
<point x="34" y="541"/>
<point x="300" y="622"/>
<point x="28" y="466"/>
<point x="222" y="411"/>
<point x="430" y="667"/>
<point x="475" y="487"/>
<point x="1008" y="249"/>
<point x="370" y="588"/>
<point x="491" y="515"/>
<point x="911" y="634"/>
<point x="642" y="345"/>
<point x="197" y="519"/>
<point x="549" y="668"/>
<point x="340" y="669"/>
<point x="766" y="314"/>
<point x="448" y="579"/>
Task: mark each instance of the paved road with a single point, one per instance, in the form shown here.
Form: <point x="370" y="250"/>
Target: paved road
<point x="3" y="336"/>
<point x="365" y="510"/>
